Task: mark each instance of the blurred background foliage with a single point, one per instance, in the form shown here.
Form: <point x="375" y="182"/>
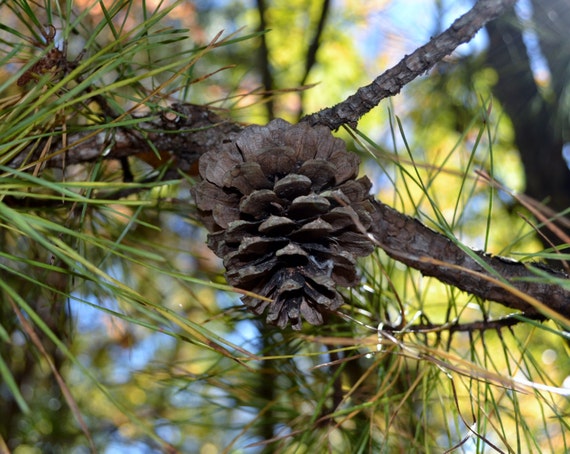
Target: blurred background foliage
<point x="117" y="332"/>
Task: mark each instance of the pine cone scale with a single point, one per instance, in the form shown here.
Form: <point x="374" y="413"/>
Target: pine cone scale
<point x="289" y="218"/>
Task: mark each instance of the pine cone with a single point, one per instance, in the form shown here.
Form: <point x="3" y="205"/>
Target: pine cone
<point x="286" y="213"/>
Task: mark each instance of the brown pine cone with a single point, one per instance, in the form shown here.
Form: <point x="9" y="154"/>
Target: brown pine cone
<point x="286" y="213"/>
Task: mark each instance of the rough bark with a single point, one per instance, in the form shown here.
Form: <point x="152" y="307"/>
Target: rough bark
<point x="417" y="63"/>
<point x="489" y="277"/>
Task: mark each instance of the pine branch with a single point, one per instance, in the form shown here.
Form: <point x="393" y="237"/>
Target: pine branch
<point x="184" y="132"/>
<point x="179" y="134"/>
<point x="403" y="238"/>
<point x="514" y="284"/>
<point x="417" y="63"/>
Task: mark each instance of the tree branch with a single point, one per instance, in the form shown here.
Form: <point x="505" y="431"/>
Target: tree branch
<point x="422" y="59"/>
<point x="181" y="134"/>
<point x="511" y="283"/>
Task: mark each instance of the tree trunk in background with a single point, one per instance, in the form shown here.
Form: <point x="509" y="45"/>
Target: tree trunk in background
<point x="539" y="117"/>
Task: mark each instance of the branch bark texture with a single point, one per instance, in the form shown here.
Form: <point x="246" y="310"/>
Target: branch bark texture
<point x="417" y="63"/>
<point x="489" y="277"/>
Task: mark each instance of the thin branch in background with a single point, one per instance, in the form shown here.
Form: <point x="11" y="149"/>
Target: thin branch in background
<point x="265" y="65"/>
<point x="388" y="84"/>
<point x="311" y="57"/>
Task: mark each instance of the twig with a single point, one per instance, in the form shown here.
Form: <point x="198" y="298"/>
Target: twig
<point x="455" y="327"/>
<point x="422" y="59"/>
